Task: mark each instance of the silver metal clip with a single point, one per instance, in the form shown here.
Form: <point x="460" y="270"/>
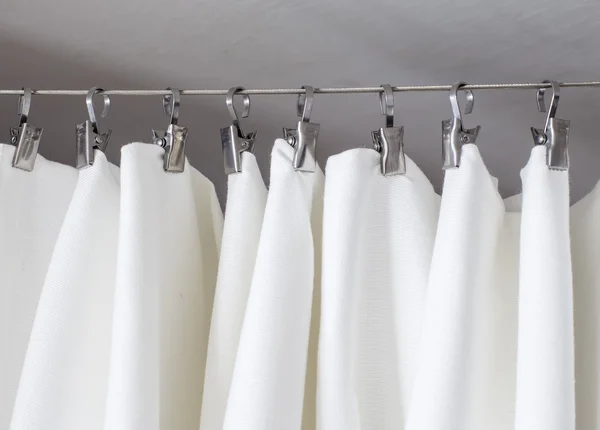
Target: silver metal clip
<point x="555" y="134"/>
<point x="304" y="138"/>
<point x="88" y="138"/>
<point x="233" y="140"/>
<point x="454" y="136"/>
<point x="173" y="139"/>
<point x="26" y="137"/>
<point x="388" y="140"/>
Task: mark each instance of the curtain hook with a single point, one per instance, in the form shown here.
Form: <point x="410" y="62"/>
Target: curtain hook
<point x="305" y="102"/>
<point x="541" y="104"/>
<point x="304" y="137"/>
<point x="555" y="134"/>
<point x="386" y="102"/>
<point x="89" y="101"/>
<point x="389" y="140"/>
<point x="231" y="108"/>
<point x="454" y="135"/>
<point x="88" y="137"/>
<point x="173" y="139"/>
<point x="233" y="140"/>
<point x="24" y="104"/>
<point x="171" y="104"/>
<point x="26" y="138"/>
<point x="454" y="100"/>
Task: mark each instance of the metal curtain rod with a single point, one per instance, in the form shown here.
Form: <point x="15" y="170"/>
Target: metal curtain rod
<point x="340" y="90"/>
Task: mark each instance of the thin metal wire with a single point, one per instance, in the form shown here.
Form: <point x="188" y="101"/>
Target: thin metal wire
<point x="340" y="90"/>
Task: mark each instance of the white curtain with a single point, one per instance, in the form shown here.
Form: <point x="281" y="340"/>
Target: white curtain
<point x="338" y="301"/>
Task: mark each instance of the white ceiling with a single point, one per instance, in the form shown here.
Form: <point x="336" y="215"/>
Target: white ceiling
<point x="279" y="43"/>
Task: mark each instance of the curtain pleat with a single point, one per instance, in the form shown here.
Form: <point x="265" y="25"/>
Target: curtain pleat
<point x="585" y="248"/>
<point x="165" y="280"/>
<point x="345" y="301"/>
<point x="32" y="209"/>
<point x="267" y="390"/>
<point x="545" y="387"/>
<point x="246" y="199"/>
<point x="64" y="379"/>
<point x="378" y="235"/>
<point x="467" y="359"/>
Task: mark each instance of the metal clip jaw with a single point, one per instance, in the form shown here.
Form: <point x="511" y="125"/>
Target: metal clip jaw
<point x="88" y="138"/>
<point x="555" y="134"/>
<point x="304" y="141"/>
<point x="26" y="138"/>
<point x="304" y="137"/>
<point x="234" y="143"/>
<point x="173" y="142"/>
<point x="173" y="139"/>
<point x="389" y="140"/>
<point x="233" y="139"/>
<point x="454" y="136"/>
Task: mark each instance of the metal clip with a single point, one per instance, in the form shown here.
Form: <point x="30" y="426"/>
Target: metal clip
<point x="233" y="140"/>
<point x="454" y="136"/>
<point x="304" y="138"/>
<point x="88" y="138"/>
<point x="172" y="140"/>
<point x="26" y="138"/>
<point x="388" y="140"/>
<point x="555" y="134"/>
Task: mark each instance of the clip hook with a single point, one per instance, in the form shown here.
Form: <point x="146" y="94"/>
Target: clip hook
<point x="231" y="108"/>
<point x="555" y="134"/>
<point x="173" y="139"/>
<point x="88" y="137"/>
<point x="389" y="140"/>
<point x="89" y="101"/>
<point x="386" y="102"/>
<point x="305" y="103"/>
<point x="454" y="136"/>
<point x="304" y="137"/>
<point x="171" y="105"/>
<point x="541" y="104"/>
<point x="26" y="137"/>
<point x="24" y="105"/>
<point x="233" y="139"/>
<point x="454" y="100"/>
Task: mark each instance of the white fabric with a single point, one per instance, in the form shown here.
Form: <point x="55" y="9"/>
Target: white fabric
<point x="169" y="235"/>
<point x="378" y="235"/>
<point x="355" y="302"/>
<point x="585" y="243"/>
<point x="32" y="209"/>
<point x="466" y="370"/>
<point x="246" y="199"/>
<point x="545" y="362"/>
<point x="267" y="390"/>
<point x="64" y="380"/>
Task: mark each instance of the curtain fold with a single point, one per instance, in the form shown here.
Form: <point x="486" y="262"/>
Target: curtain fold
<point x="64" y="379"/>
<point x="345" y="301"/>
<point x="267" y="390"/>
<point x="165" y="280"/>
<point x="466" y="364"/>
<point x="585" y="243"/>
<point x="32" y="209"/>
<point x="246" y="199"/>
<point x="545" y="387"/>
<point x="378" y="235"/>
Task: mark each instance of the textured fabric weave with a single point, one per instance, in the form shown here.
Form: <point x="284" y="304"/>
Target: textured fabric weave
<point x="246" y="199"/>
<point x="345" y="301"/>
